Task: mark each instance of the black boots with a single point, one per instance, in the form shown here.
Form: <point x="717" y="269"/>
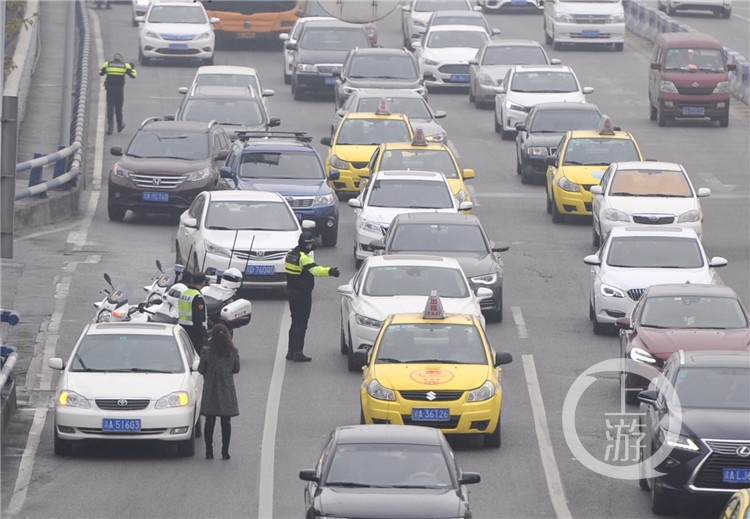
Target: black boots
<point x="301" y="357"/>
<point x="208" y="436"/>
<point x="226" y="435"/>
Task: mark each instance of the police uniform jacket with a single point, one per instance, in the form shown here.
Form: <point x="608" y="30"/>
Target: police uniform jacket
<point x="116" y="72"/>
<point x="301" y="269"/>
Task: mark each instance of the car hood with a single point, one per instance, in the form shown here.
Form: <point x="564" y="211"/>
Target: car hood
<point x="383" y="83"/>
<point x="451" y="54"/>
<point x="663" y="342"/>
<point x="719" y="424"/>
<point x="388" y="503"/>
<point x="286" y="186"/>
<point x="320" y="57"/>
<point x="161" y="166"/>
<point x="653" y="205"/>
<point x="533" y="98"/>
<point x="265" y="240"/>
<point x="548" y="140"/>
<point x="627" y="278"/>
<point x="429" y="126"/>
<point x="683" y="79"/>
<point x="385" y="215"/>
<point x="450" y="377"/>
<point x="379" y="308"/>
<point x="125" y="385"/>
<point x="586" y="175"/>
<point x="178" y="28"/>
<point x="355" y="152"/>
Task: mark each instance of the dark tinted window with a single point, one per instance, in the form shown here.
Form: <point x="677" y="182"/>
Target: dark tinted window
<point x="327" y="38"/>
<point x="713" y="388"/>
<point x="382" y="67"/>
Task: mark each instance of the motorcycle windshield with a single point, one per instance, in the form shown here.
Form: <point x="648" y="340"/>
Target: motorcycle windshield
<point x="119" y="296"/>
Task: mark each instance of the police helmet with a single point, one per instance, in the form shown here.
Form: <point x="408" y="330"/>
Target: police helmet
<point x="231" y="278"/>
<point x="306" y="238"/>
<point x="174" y="292"/>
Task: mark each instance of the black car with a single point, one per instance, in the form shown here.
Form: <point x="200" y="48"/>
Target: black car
<point x="457" y="235"/>
<point x="546" y="124"/>
<point x="321" y="48"/>
<point x="708" y="450"/>
<point x="165" y="166"/>
<point x="387" y="471"/>
<point x="378" y="68"/>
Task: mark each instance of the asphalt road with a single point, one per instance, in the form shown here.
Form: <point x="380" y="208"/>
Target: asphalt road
<point x="287" y="410"/>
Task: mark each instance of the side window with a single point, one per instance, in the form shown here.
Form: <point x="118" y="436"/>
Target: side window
<point x="373" y="160"/>
<point x="187" y="346"/>
<point x="218" y="146"/>
<point x="196" y="209"/>
<point x="357" y="281"/>
<point x="606" y="178"/>
<point x="324" y="455"/>
<point x="656" y="55"/>
<point x="231" y="158"/>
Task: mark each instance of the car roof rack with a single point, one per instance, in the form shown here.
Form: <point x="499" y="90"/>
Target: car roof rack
<point x="151" y="120"/>
<point x="245" y="135"/>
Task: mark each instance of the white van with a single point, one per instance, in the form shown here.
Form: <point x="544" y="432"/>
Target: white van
<point x="584" y="22"/>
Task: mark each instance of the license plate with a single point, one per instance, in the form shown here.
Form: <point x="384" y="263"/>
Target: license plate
<point x="590" y="34"/>
<point x="330" y="80"/>
<point x="459" y="78"/>
<point x="260" y="270"/>
<point x="178" y="45"/>
<point x="692" y="110"/>
<point x="246" y="35"/>
<point x="118" y="424"/>
<point x="153" y="196"/>
<point x="429" y="414"/>
<point x="736" y="476"/>
<point x="518" y="2"/>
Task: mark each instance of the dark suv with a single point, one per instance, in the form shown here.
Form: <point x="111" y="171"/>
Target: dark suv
<point x="286" y="163"/>
<point x="378" y="68"/>
<point x="165" y="166"/>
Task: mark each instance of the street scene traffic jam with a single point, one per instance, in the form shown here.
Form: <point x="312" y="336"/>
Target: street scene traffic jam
<point x="538" y="212"/>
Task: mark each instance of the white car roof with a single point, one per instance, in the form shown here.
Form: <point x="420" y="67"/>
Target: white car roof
<point x="409" y="175"/>
<point x="541" y="68"/>
<point x="649" y="165"/>
<point x="648" y="230"/>
<point x="243" y="195"/>
<point x="226" y="69"/>
<point x="132" y="328"/>
<point x="456" y="27"/>
<point x="412" y="260"/>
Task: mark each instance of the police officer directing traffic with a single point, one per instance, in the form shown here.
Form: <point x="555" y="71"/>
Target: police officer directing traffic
<point x="192" y="311"/>
<point x="300" y="272"/>
<point x="116" y="70"/>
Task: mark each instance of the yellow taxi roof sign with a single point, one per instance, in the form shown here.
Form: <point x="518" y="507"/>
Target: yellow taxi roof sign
<point x="434" y="307"/>
<point x="383" y="107"/>
<point x="419" y="138"/>
<point x="605" y="126"/>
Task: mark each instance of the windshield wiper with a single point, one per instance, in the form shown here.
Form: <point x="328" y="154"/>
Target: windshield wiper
<point x="136" y="370"/>
<point x="572" y="163"/>
<point x="389" y="360"/>
<point x="347" y="484"/>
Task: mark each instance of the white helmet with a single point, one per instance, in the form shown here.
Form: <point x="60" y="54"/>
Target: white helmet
<point x="231" y="279"/>
<point x="174" y="292"/>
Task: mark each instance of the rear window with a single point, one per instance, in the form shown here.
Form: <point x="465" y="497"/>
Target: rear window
<point x="226" y="111"/>
<point x="514" y="55"/>
<point x="382" y="67"/>
<point x="328" y="38"/>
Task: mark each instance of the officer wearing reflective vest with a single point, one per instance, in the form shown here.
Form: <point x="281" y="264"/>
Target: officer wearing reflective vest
<point x="192" y="311"/>
<point x="301" y="270"/>
<point x="116" y="70"/>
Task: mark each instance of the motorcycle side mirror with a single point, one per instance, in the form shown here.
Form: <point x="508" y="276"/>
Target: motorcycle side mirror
<point x="158" y="266"/>
<point x="108" y="280"/>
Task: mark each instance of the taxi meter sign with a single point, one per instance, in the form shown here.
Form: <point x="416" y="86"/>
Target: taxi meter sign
<point x="383" y="107"/>
<point x="434" y="307"/>
<point x="605" y="127"/>
<point x="419" y="138"/>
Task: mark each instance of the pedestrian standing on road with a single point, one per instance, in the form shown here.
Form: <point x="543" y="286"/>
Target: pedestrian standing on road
<point x="114" y="84"/>
<point x="192" y="312"/>
<point x="220" y="360"/>
<point x="300" y="281"/>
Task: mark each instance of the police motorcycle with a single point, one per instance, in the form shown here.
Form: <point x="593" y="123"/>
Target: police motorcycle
<point x="114" y="306"/>
<point x="159" y="287"/>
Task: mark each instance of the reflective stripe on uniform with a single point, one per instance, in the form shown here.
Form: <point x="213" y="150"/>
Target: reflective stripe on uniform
<point x="185" y="306"/>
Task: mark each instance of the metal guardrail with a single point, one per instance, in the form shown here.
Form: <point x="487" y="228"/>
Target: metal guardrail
<point x="12" y="318"/>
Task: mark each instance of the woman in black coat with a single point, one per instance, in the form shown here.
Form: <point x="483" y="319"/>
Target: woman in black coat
<point x="220" y="360"/>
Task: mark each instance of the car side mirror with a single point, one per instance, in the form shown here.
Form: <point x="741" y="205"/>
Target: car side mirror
<point x="465" y="206"/>
<point x="214" y="20"/>
<point x="225" y="172"/>
<point x="140" y="19"/>
<point x="439" y="114"/>
<point x="284" y="36"/>
<point x="503" y="358"/>
<point x="290" y="46"/>
<point x="555" y="61"/>
<point x="429" y="77"/>
<point x="416" y="44"/>
<point x="550" y="160"/>
<point x="325" y="141"/>
<point x="500" y="246"/>
<point x="484" y="293"/>
<point x="189" y="221"/>
<point x="468" y="174"/>
<point x="195" y="365"/>
<point x="359" y="357"/>
<point x="273" y="122"/>
<point x="648" y="397"/>
<point x="473" y="62"/>
<point x="588" y="90"/>
<point x="56" y="363"/>
<point x="717" y="261"/>
<point x="169" y="117"/>
<point x="499" y="90"/>
<point x="308" y="475"/>
<point x="596" y="190"/>
<point x="345" y="290"/>
<point x="521" y="127"/>
<point x="336" y="72"/>
<point x="469" y="478"/>
<point x="116" y="150"/>
<point x="183" y="90"/>
<point x="592" y="259"/>
<point x="496" y="32"/>
<point x="356" y="203"/>
<point x="378" y="244"/>
<point x="703" y="192"/>
<point x="334" y="174"/>
<point x="623" y="323"/>
<point x="267" y="92"/>
<point x="731" y="67"/>
<point x="656" y="66"/>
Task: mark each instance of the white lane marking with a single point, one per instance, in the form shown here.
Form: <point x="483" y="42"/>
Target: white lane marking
<point x="27" y="462"/>
<point x="523" y="332"/>
<point x="271" y="421"/>
<point x="551" y="472"/>
<point x="39" y="234"/>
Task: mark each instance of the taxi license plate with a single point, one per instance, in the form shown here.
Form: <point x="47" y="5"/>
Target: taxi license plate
<point x="692" y="110"/>
<point x="153" y="196"/>
<point x="590" y="34"/>
<point x="429" y="414"/>
<point x="178" y="46"/>
<point x="121" y="425"/>
<point x="330" y="80"/>
<point x="246" y="35"/>
<point x="736" y="476"/>
<point x="260" y="270"/>
<point x="459" y="78"/>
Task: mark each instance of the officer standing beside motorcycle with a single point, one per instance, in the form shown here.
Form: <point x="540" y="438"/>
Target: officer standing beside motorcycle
<point x="192" y="311"/>
<point x="300" y="272"/>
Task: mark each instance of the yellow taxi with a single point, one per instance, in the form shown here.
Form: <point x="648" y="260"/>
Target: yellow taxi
<point x="422" y="155"/>
<point x="356" y="138"/>
<point x="738" y="506"/>
<point x="579" y="163"/>
<point x="433" y="369"/>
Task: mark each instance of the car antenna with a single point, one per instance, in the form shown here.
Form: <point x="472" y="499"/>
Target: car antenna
<point x="248" y="252"/>
<point x="234" y="243"/>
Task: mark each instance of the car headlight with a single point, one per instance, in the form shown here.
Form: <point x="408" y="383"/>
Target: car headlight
<point x="616" y="18"/>
<point x="722" y="87"/>
<point x="537" y="151"/>
<point x="376" y="390"/>
<point x="461" y="196"/>
<point x="152" y="34"/>
<point x="641" y="355"/>
<point x="104" y="316"/>
<point x="350" y="90"/>
<point x="431" y="62"/>
<point x="121" y="172"/>
<point x="373" y="227"/>
<point x="677" y="441"/>
<point x="487" y="279"/>
<point x="509" y="105"/>
<point x="615" y="215"/>
<point x="667" y="87"/>
<point x="337" y="163"/>
<point x="306" y="67"/>
<point x="486" y="79"/>
<point x="201" y="174"/>
<point x="610" y="291"/>
<point x="176" y="399"/>
<point x="324" y="199"/>
<point x="212" y="248"/>
<point x="363" y="320"/>
<point x="437" y="137"/>
<point x="564" y="18"/>
<point x="483" y="393"/>
<point x="567" y="185"/>
<point x="691" y="216"/>
<point x="69" y="398"/>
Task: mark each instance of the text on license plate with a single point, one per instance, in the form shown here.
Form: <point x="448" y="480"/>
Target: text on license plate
<point x="119" y="424"/>
<point x="692" y="110"/>
<point x="590" y="34"/>
<point x="246" y="35"/>
<point x="260" y="270"/>
<point x="178" y="45"/>
<point x="736" y="476"/>
<point x="459" y="78"/>
<point x="330" y="80"/>
<point x="428" y="414"/>
<point x="518" y="2"/>
<point x="155" y="196"/>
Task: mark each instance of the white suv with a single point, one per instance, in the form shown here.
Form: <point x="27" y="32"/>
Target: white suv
<point x="176" y="30"/>
<point x="584" y="22"/>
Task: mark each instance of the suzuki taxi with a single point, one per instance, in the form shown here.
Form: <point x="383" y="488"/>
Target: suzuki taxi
<point x="356" y="138"/>
<point x="579" y="163"/>
<point x="433" y="369"/>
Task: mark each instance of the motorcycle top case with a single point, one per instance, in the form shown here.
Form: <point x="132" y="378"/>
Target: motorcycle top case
<point x="237" y="313"/>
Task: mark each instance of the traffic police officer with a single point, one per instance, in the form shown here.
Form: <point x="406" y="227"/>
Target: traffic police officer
<point x="300" y="272"/>
<point x="116" y="70"/>
<point x="192" y="311"/>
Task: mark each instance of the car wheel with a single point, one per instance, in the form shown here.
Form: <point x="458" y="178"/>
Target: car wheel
<point x="547" y="37"/>
<point x="472" y="99"/>
<point x="198" y="430"/>
<point x="62" y="447"/>
<point x="549" y="203"/>
<point x="135" y="23"/>
<point x="726" y="13"/>
<point x="724" y="121"/>
<point x="660" y="6"/>
<point x="496" y="315"/>
<point x="595" y="240"/>
<point x="642" y="479"/>
<point x="177" y="254"/>
<point x="556" y="45"/>
<point x="519" y="166"/>
<point x="186" y="448"/>
<point x="343" y="346"/>
<point x="116" y="213"/>
<point x="330" y="236"/>
<point x="527" y="176"/>
<point x="350" y="364"/>
<point x="651" y="110"/>
<point x="661" y="119"/>
<point x="597" y="327"/>
<point x="498" y="126"/>
<point x="659" y="503"/>
<point x="143" y="60"/>
<point x="669" y="9"/>
<point x="494" y="439"/>
<point x="361" y="415"/>
<point x="557" y="216"/>
<point x="287" y="78"/>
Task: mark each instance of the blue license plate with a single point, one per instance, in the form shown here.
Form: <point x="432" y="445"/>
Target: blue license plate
<point x="736" y="476"/>
<point x="459" y="78"/>
<point x="692" y="110"/>
<point x="429" y="414"/>
<point x="330" y="81"/>
<point x="153" y="196"/>
<point x="121" y="425"/>
<point x="260" y="270"/>
<point x="518" y="2"/>
<point x="178" y="45"/>
<point x="590" y="34"/>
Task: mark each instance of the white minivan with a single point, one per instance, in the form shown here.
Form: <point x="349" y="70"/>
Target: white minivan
<point x="584" y="22"/>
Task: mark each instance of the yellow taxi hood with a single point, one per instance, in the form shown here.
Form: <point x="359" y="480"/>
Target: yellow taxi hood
<point x="440" y="377"/>
<point x="355" y="152"/>
<point x="585" y="174"/>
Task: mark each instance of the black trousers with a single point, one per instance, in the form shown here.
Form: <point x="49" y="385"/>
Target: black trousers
<point x="300" y="305"/>
<point x="115" y="98"/>
<point x="226" y="433"/>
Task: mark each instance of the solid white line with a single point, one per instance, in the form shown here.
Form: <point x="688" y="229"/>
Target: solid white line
<point x="523" y="332"/>
<point x="26" y="466"/>
<point x="551" y="472"/>
<point x="271" y="421"/>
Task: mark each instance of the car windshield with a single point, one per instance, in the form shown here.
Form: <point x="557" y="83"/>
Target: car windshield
<point x="250" y="215"/>
<point x="544" y="82"/>
<point x="438" y="238"/>
<point x="286" y="164"/>
<point x="177" y="14"/>
<point x="238" y="112"/>
<point x="382" y="67"/>
<point x="452" y="39"/>
<point x="561" y="121"/>
<point x="413" y="107"/>
<point x="514" y="55"/>
<point x="230" y="80"/>
<point x="687" y="312"/>
<point x="655" y="252"/>
<point x="440" y="5"/>
<point x="407" y="280"/>
<point x="169" y="145"/>
<point x="436" y="343"/>
<point x="593" y="151"/>
<point x="388" y="465"/>
<point x="650" y="182"/>
<point x="713" y="387"/>
<point x="128" y="353"/>
<point x="410" y="194"/>
<point x="329" y="38"/>
<point x="694" y="60"/>
<point x="425" y="160"/>
<point x="373" y="131"/>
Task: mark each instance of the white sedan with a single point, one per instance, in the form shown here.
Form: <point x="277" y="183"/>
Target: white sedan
<point x="401" y="283"/>
<point x="445" y="51"/>
<point x="389" y="193"/>
<point x="649" y="193"/>
<point x="248" y="230"/>
<point x="635" y="257"/>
